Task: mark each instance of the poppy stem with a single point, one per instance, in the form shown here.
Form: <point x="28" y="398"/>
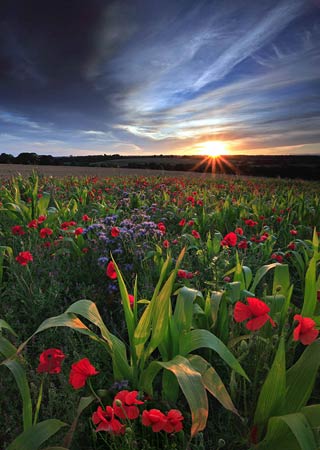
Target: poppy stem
<point x="94" y="393"/>
<point x="36" y="413"/>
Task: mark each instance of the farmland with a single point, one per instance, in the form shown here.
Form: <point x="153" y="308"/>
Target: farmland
<point x="154" y="310"/>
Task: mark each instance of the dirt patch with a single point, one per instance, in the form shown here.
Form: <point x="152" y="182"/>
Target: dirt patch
<point x="9" y="170"/>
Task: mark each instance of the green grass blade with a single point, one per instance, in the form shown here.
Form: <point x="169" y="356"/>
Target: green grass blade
<point x="261" y="272"/>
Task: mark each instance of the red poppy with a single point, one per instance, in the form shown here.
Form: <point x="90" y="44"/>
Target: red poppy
<point x="80" y="371"/>
<point x="106" y="421"/>
<point x="33" y="224"/>
<point x="166" y="243"/>
<point x="17" y="230"/>
<point x="162" y="227"/>
<point x="85" y="218"/>
<point x="293" y="232"/>
<point x="124" y="404"/>
<point x="291" y="246"/>
<point x="195" y="234"/>
<point x="24" y="258"/>
<point x="191" y="223"/>
<point x="278" y="258"/>
<point x="41" y="219"/>
<point x="174" y="420"/>
<point x="111" y="271"/>
<point x="230" y="240"/>
<point x="131" y="300"/>
<point x="243" y="244"/>
<point x="45" y="232"/>
<point x="78" y="231"/>
<point x="154" y="418"/>
<point x="182" y="222"/>
<point x="50" y="361"/>
<point x="115" y="231"/>
<point x="239" y="231"/>
<point x="305" y="332"/>
<point x="256" y="310"/>
<point x="250" y="222"/>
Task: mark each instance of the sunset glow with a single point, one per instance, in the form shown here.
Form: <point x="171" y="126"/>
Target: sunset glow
<point x="214" y="149"/>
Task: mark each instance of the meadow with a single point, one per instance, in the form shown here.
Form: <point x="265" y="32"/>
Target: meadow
<point x="158" y="312"/>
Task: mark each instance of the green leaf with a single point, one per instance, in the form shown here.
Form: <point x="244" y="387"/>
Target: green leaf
<point x="277" y="436"/>
<point x="261" y="272"/>
<point x="190" y="382"/>
<point x="83" y="404"/>
<point x="36" y="435"/>
<point x="143" y="329"/>
<point x="301" y="378"/>
<point x="212" y="382"/>
<point x="196" y="339"/>
<point x="6" y="326"/>
<point x="310" y="290"/>
<point x="272" y="395"/>
<point x="183" y="312"/>
<point x="19" y="374"/>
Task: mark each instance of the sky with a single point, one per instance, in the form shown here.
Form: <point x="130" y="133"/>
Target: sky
<point x="140" y="77"/>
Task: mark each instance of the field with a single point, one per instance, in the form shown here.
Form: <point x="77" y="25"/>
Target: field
<point x="158" y="310"/>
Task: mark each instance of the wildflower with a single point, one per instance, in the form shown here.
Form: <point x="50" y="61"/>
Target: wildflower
<point x="293" y="232"/>
<point x="161" y="226"/>
<point x="229" y="240"/>
<point x="239" y="231"/>
<point x="45" y="232"/>
<point x="17" y="230"/>
<point x="131" y="300"/>
<point x="291" y="246"/>
<point x="85" y="250"/>
<point x="50" y="361"/>
<point x="80" y="371"/>
<point x="78" y="231"/>
<point x="166" y="243"/>
<point x="33" y="224"/>
<point x="174" y="420"/>
<point x="106" y="421"/>
<point x="24" y="258"/>
<point x="182" y="222"/>
<point x="243" y="244"/>
<point x="305" y="332"/>
<point x="278" y="258"/>
<point x="41" y="219"/>
<point x="191" y="223"/>
<point x="195" y="234"/>
<point x="251" y="223"/>
<point x="124" y="404"/>
<point x="111" y="271"/>
<point x="153" y="418"/>
<point x="115" y="231"/>
<point x="256" y="310"/>
<point x="85" y="218"/>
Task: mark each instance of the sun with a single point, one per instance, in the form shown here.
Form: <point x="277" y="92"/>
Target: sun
<point x="214" y="149"/>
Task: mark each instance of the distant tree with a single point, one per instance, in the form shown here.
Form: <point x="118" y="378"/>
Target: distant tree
<point x="27" y="158"/>
<point x="5" y="158"/>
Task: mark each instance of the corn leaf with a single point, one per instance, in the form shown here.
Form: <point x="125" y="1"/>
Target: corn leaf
<point x="196" y="339"/>
<point x="191" y="384"/>
<point x="212" y="382"/>
<point x="272" y="395"/>
<point x="301" y="378"/>
<point x="36" y="435"/>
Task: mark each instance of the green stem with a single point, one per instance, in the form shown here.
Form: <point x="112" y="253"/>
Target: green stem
<point x="96" y="396"/>
<point x="36" y="413"/>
